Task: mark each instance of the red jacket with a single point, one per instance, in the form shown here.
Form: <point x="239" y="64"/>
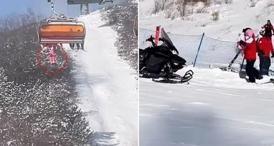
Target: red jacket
<point x="265" y="46"/>
<point x="250" y="49"/>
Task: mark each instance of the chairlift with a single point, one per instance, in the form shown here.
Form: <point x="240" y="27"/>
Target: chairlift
<point x="58" y="29"/>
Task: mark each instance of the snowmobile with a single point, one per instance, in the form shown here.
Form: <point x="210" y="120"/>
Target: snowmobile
<point x="161" y="62"/>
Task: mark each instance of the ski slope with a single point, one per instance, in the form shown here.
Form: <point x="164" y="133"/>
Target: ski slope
<point x="107" y="86"/>
<point x="232" y="19"/>
<point x="215" y="109"/>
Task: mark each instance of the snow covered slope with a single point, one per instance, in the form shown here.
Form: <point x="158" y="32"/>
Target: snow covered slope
<point x="233" y="18"/>
<point x="107" y="87"/>
<point x="215" y="109"/>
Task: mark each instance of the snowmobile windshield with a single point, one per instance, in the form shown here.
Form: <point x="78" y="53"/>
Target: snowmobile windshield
<point x="169" y="45"/>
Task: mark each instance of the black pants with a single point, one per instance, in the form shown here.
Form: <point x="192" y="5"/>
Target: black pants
<point x="252" y="72"/>
<point x="264" y="64"/>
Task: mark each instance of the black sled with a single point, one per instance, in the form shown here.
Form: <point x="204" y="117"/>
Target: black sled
<point x="161" y="62"/>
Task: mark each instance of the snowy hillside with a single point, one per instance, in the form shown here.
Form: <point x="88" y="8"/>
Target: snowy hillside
<point x="218" y="46"/>
<point x="107" y="86"/>
<point x="232" y="19"/>
<point x="216" y="108"/>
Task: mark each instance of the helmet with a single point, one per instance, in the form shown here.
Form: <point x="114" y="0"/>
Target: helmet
<point x="249" y="32"/>
<point x="245" y="29"/>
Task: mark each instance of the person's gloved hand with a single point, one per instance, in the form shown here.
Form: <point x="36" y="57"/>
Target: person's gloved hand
<point x="239" y="45"/>
<point x="242" y="43"/>
<point x="272" y="55"/>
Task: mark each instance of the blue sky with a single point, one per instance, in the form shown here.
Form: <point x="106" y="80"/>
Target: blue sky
<point x="10" y="7"/>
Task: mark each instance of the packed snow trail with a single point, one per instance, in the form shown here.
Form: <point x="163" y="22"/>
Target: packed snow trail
<point x="107" y="86"/>
<point x="217" y="108"/>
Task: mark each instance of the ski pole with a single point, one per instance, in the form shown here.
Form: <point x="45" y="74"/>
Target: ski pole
<point x="239" y="51"/>
<point x="235" y="57"/>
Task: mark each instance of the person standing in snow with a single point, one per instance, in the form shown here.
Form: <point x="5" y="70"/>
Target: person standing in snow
<point x="265" y="49"/>
<point x="268" y="28"/>
<point x="250" y="50"/>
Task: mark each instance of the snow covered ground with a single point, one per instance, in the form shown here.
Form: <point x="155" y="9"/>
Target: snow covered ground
<point x="107" y="86"/>
<point x="233" y="18"/>
<point x="217" y="108"/>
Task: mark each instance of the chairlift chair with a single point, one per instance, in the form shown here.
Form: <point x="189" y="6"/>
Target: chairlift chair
<point x="58" y="29"/>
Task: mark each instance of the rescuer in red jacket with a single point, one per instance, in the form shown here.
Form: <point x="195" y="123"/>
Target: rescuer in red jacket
<point x="268" y="29"/>
<point x="265" y="49"/>
<point x="250" y="52"/>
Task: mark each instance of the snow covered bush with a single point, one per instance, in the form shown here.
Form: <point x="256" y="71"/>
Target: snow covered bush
<point x="35" y="109"/>
<point x="18" y="44"/>
<point x="182" y="8"/>
<point x="228" y="1"/>
<point x="199" y="7"/>
<point x="159" y="5"/>
<point x="44" y="115"/>
<point x="252" y="3"/>
<point x="179" y="8"/>
<point x="123" y="19"/>
<point x="270" y="4"/>
<point x="215" y="15"/>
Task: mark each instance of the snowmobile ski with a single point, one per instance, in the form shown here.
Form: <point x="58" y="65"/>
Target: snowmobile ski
<point x="233" y="60"/>
<point x="267" y="82"/>
<point x="175" y="78"/>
